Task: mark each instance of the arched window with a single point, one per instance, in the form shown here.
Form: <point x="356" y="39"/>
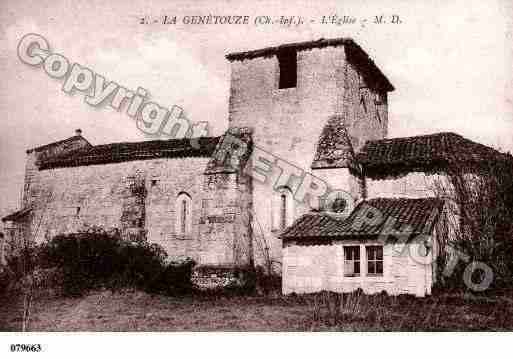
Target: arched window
<point x="283" y="208"/>
<point x="183" y="214"/>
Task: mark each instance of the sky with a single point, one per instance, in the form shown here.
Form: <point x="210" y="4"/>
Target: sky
<point x="450" y="62"/>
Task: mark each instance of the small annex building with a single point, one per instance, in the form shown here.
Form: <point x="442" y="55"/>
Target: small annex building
<point x="322" y="251"/>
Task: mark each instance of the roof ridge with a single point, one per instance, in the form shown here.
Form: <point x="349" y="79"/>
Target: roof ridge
<point x="399" y="198"/>
<point x="418" y="136"/>
<point x="55" y="143"/>
<point x="155" y="140"/>
<point x="296" y="44"/>
<point x="131" y="151"/>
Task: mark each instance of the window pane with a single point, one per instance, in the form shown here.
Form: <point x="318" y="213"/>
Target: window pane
<point x="352" y="252"/>
<point x="370" y="253"/>
<point x="348" y="253"/>
<point x="357" y="267"/>
<point x="374" y="252"/>
<point x="379" y="267"/>
<point x="348" y="268"/>
<point x="357" y="253"/>
<point x="371" y="267"/>
<point x="379" y="253"/>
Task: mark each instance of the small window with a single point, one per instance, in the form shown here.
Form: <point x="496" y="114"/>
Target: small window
<point x="352" y="261"/>
<point x="288" y="69"/>
<point x="183" y="214"/>
<point x="374" y="260"/>
<point x="362" y="102"/>
<point x="283" y="211"/>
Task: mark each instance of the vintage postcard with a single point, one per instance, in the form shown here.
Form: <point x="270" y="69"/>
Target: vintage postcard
<point x="254" y="166"/>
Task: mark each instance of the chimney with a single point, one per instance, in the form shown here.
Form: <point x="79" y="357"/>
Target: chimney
<point x="78" y="132"/>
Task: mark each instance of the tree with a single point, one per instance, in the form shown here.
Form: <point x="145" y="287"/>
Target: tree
<point x="478" y="224"/>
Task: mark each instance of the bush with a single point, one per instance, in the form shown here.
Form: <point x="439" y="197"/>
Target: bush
<point x="97" y="259"/>
<point x="258" y="280"/>
<point x="18" y="264"/>
<point x="172" y="279"/>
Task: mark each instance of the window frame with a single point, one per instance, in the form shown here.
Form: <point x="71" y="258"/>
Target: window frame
<point x="352" y="261"/>
<point x="375" y="260"/>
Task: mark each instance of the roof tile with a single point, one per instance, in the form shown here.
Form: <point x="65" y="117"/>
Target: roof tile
<point x="131" y="151"/>
<point x="370" y="218"/>
<point x="387" y="156"/>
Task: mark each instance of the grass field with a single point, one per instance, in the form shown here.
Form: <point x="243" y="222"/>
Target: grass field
<point x="138" y="311"/>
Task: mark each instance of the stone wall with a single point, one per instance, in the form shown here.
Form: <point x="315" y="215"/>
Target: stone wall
<point x="69" y="199"/>
<point x="214" y="277"/>
<point x="40" y="153"/>
<point x="365" y="108"/>
<point x="224" y="226"/>
<point x="413" y="185"/>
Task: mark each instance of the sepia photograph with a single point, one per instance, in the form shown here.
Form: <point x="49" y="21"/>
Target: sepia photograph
<point x="227" y="169"/>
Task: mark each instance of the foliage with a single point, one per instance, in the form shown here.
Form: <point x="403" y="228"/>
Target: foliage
<point x="382" y="312"/>
<point x="478" y="220"/>
<point x="262" y="281"/>
<point x="173" y="279"/>
<point x="97" y="259"/>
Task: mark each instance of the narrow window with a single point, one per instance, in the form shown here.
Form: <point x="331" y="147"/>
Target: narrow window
<point x="362" y="102"/>
<point x="283" y="211"/>
<point x="352" y="261"/>
<point x="288" y="69"/>
<point x="184" y="216"/>
<point x="374" y="260"/>
<point x="2" y="248"/>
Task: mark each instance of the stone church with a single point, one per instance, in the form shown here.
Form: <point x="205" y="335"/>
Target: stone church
<point x="306" y="120"/>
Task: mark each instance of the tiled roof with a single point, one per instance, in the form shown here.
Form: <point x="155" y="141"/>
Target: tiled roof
<point x="421" y="152"/>
<point x="131" y="151"/>
<point x="56" y="143"/>
<point x="419" y="214"/>
<point x="353" y="50"/>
